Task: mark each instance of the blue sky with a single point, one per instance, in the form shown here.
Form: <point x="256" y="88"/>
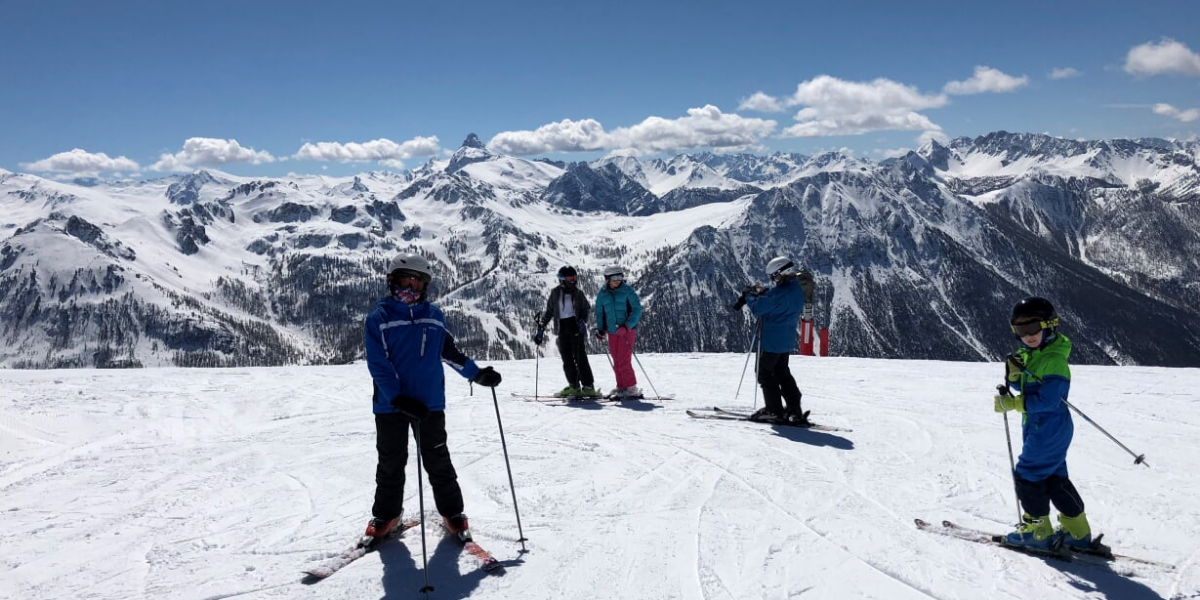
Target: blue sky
<point x="266" y="87"/>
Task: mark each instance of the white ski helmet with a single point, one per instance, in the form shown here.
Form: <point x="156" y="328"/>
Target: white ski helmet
<point x="411" y="262"/>
<point x="780" y="266"/>
<point x="614" y="272"/>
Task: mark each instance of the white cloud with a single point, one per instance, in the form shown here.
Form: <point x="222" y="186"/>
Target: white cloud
<point x="836" y="107"/>
<point x="986" y="79"/>
<point x="199" y="151"/>
<point x="380" y="150"/>
<point x="1064" y="73"/>
<point x="82" y="162"/>
<point x="761" y="102"/>
<point x="891" y="152"/>
<point x="564" y="136"/>
<point x="1187" y="116"/>
<point x="933" y="135"/>
<point x="1167" y="56"/>
<point x="705" y="127"/>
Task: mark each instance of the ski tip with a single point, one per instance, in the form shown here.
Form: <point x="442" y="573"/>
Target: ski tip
<point x="921" y="523"/>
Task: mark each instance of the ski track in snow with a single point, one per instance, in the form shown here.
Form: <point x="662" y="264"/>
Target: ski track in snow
<point x="214" y="484"/>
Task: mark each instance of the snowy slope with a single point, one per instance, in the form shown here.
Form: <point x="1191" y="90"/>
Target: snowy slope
<point x="204" y="484"/>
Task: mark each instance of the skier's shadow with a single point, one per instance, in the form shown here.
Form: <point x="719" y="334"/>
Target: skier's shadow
<point x="636" y="405"/>
<point x="1101" y="579"/>
<point x="402" y="576"/>
<point x="812" y="437"/>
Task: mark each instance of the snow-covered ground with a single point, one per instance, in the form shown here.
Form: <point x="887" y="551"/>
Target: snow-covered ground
<point x="205" y="484"/>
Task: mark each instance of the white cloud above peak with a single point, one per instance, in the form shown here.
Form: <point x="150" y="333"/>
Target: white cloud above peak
<point x="1166" y="56"/>
<point x="200" y="151"/>
<point x="382" y="150"/>
<point x="1064" y="73"/>
<point x="986" y="80"/>
<point x="81" y="162"/>
<point x="704" y="127"/>
<point x="761" y="102"/>
<point x="1186" y="116"/>
<point x="834" y="106"/>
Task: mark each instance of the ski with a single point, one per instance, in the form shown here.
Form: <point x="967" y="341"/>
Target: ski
<point x="555" y="400"/>
<point x="365" y="545"/>
<point x="1100" y="555"/>
<point x="728" y="415"/>
<point x="487" y="562"/>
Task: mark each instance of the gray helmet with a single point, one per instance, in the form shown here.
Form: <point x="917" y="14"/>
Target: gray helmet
<point x="614" y="271"/>
<point x="780" y="266"/>
<point x="411" y="262"/>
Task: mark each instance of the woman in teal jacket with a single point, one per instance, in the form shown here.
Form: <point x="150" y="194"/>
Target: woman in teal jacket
<point x="618" y="311"/>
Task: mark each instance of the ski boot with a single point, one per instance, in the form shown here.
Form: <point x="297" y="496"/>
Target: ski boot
<point x="1075" y="534"/>
<point x="378" y="528"/>
<point x="568" y="392"/>
<point x="1034" y="533"/>
<point x="766" y="415"/>
<point x="588" y="391"/>
<point x="458" y="526"/>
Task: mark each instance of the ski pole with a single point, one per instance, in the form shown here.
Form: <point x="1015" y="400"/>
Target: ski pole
<point x="537" y="359"/>
<point x="1138" y="459"/>
<point x="1012" y="464"/>
<point x="757" y="359"/>
<point x="421" y="506"/>
<point x="749" y="351"/>
<point x="508" y="467"/>
<point x="639" y="362"/>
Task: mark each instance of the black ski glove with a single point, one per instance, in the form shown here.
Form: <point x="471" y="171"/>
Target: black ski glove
<point x="487" y="377"/>
<point x="412" y="409"/>
<point x="540" y="337"/>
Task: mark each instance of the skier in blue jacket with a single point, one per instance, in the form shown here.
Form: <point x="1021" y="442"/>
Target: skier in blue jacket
<point x="1039" y="376"/>
<point x="407" y="342"/>
<point x="779" y="308"/>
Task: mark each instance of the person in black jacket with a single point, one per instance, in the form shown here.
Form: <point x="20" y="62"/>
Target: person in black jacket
<point x="569" y="308"/>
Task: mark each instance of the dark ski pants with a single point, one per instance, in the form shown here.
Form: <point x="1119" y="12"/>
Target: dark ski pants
<point x="572" y="346"/>
<point x="777" y="383"/>
<point x="391" y="441"/>
<point x="1036" y="496"/>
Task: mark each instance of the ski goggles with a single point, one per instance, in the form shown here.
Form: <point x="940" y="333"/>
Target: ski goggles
<point x="567" y="278"/>
<point x="410" y="278"/>
<point x="1029" y="328"/>
<point x="615" y="277"/>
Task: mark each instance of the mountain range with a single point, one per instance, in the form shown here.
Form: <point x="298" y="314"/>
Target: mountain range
<point x="918" y="256"/>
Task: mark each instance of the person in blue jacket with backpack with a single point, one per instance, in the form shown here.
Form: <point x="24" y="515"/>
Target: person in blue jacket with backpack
<point x="618" y="311"/>
<point x="406" y="343"/>
<point x="779" y="308"/>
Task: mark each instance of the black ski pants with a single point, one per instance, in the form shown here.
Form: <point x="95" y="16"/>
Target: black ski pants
<point x="572" y="346"/>
<point x="1036" y="496"/>
<point x="777" y="383"/>
<point x="391" y="441"/>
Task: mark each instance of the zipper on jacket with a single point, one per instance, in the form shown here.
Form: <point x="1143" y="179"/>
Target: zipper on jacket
<point x="423" y="332"/>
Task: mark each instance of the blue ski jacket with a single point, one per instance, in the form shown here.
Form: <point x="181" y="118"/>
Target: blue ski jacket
<point x="779" y="308"/>
<point x="406" y="346"/>
<point x="618" y="307"/>
<point x="1047" y="428"/>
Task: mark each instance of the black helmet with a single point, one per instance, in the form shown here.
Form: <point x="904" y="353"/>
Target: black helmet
<point x="566" y="276"/>
<point x="1030" y="312"/>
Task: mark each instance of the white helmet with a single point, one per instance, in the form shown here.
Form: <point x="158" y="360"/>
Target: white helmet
<point x="614" y="271"/>
<point x="411" y="262"/>
<point x="780" y="266"/>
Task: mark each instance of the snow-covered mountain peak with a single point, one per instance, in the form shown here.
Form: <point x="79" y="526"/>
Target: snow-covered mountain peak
<point x="472" y="151"/>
